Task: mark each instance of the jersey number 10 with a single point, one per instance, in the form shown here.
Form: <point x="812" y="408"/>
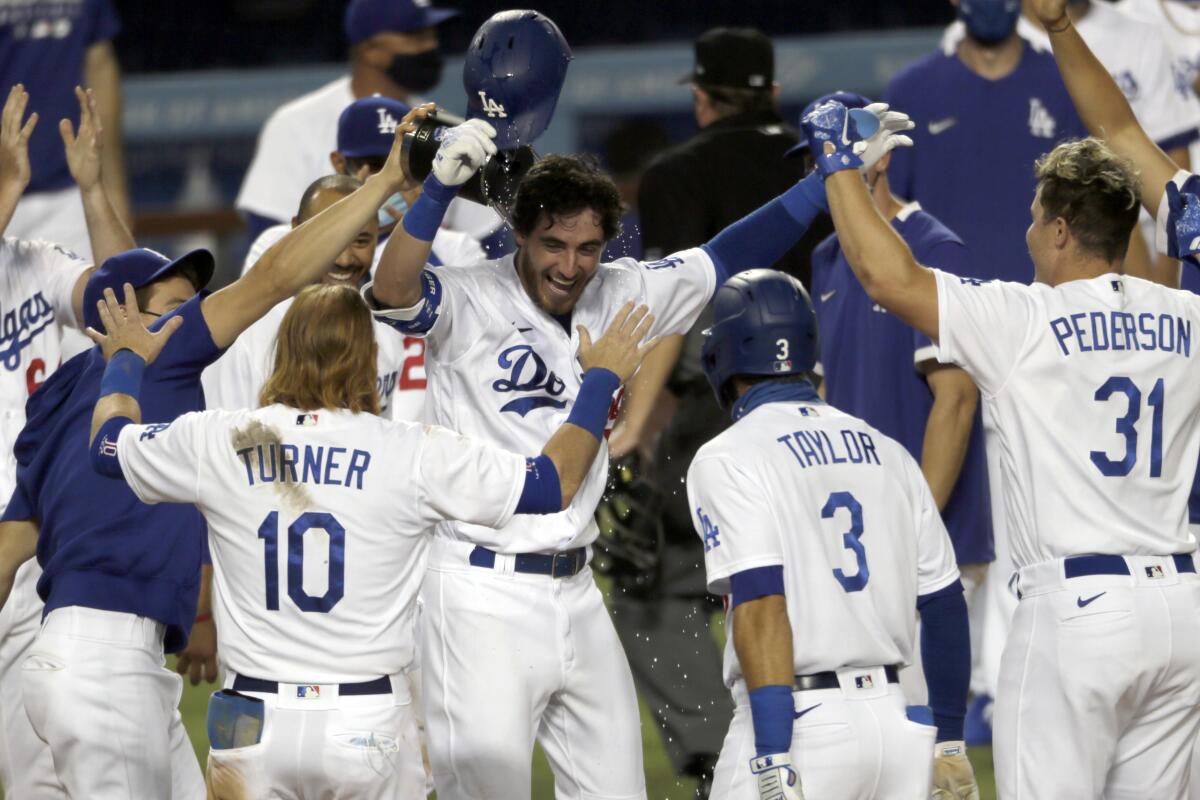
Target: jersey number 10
<point x="269" y="533"/>
<point x="1127" y="426"/>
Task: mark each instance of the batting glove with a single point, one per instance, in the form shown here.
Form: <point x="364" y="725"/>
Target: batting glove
<point x="462" y="152"/>
<point x="776" y="778"/>
<point x="1183" y="220"/>
<point x="953" y="776"/>
<point x="831" y="123"/>
<point x="887" y="138"/>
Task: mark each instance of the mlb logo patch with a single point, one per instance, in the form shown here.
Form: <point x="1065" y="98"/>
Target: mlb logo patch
<point x="306" y="420"/>
<point x="1154" y="572"/>
<point x="864" y="682"/>
<point x="313" y="692"/>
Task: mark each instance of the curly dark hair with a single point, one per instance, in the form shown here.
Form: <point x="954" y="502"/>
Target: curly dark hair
<point x="561" y="185"/>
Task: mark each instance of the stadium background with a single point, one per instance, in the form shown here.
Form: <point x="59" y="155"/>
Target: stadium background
<point x="199" y="84"/>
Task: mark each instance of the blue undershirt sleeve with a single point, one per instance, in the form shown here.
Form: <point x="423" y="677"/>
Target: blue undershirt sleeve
<point x="946" y="657"/>
<point x="542" y="493"/>
<point x="751" y="584"/>
<point x="104" y="448"/>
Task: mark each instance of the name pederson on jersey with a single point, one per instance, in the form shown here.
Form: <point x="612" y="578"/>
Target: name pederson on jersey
<point x="502" y="370"/>
<point x="843" y="509"/>
<point x="317" y="524"/>
<point x="1092" y="389"/>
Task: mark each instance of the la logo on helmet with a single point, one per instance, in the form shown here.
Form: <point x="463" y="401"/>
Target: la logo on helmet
<point x="490" y="106"/>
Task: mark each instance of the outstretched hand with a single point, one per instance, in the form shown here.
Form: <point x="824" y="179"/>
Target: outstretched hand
<point x="618" y="350"/>
<point x="124" y="329"/>
<point x="83" y="148"/>
<point x="15" y="131"/>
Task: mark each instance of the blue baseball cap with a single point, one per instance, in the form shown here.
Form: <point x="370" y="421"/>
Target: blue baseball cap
<point x="848" y="99"/>
<point x="367" y="127"/>
<point x="366" y="18"/>
<point x="139" y="267"/>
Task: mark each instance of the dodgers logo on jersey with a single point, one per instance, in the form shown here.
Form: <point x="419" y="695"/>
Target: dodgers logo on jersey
<point x="20" y="326"/>
<point x="708" y="531"/>
<point x="153" y="430"/>
<point x="528" y="373"/>
<point x="671" y="262"/>
<point x="1041" y="123"/>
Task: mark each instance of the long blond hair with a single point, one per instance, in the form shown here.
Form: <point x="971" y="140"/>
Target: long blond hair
<point x="325" y="353"/>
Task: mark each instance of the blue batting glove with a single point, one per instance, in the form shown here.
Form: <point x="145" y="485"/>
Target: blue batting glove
<point x="833" y="123"/>
<point x="1183" y="221"/>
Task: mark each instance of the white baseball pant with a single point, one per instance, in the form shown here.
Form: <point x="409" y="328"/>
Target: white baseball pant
<point x="508" y="658"/>
<point x="317" y="743"/>
<point x="97" y="692"/>
<point x="849" y="743"/>
<point x="1099" y="692"/>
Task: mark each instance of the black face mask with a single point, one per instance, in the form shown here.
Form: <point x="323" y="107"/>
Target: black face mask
<point x="418" y="72"/>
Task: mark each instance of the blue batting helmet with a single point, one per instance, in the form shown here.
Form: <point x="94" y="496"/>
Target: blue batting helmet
<point x="514" y="72"/>
<point x="763" y="324"/>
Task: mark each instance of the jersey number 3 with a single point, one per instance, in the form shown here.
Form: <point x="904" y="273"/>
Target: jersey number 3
<point x="269" y="533"/>
<point x="1127" y="427"/>
<point x="851" y="539"/>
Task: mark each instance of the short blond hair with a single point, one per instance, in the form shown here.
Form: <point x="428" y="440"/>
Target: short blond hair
<point x="1095" y="190"/>
<point x="325" y="354"/>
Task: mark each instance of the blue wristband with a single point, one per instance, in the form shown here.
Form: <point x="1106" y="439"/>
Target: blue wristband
<point x="425" y="217"/>
<point x="591" y="408"/>
<point x="773" y="714"/>
<point x="123" y="375"/>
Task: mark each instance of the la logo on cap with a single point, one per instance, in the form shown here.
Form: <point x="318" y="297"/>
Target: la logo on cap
<point x="387" y="123"/>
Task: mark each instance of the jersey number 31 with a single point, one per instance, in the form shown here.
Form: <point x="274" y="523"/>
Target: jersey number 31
<point x="1127" y="426"/>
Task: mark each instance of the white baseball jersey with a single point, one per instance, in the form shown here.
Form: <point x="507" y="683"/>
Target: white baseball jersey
<point x="293" y="151"/>
<point x="843" y="509"/>
<point x="505" y="371"/>
<point x="1136" y="56"/>
<point x="235" y="380"/>
<point x="1092" y="394"/>
<point x="316" y="524"/>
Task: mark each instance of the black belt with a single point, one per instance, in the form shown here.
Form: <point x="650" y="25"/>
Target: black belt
<point x="558" y="565"/>
<point x="243" y="683"/>
<point x="829" y="680"/>
<point x="1081" y="566"/>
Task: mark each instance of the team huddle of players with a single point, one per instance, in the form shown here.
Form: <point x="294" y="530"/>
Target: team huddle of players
<point x="347" y="538"/>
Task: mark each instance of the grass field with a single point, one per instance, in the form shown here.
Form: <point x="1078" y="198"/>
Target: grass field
<point x="660" y="782"/>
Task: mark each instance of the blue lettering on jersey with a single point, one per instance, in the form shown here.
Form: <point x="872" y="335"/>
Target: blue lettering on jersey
<point x="528" y="373"/>
<point x="1097" y="331"/>
<point x="709" y="531"/>
<point x="20" y="325"/>
<point x="153" y="430"/>
<point x="319" y="465"/>
<point x="818" y="448"/>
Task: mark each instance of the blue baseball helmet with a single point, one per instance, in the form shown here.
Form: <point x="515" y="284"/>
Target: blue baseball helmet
<point x="514" y="73"/>
<point x="763" y="324"/>
<point x="139" y="267"/>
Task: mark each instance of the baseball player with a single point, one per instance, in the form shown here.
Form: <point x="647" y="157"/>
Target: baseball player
<point x="824" y="536"/>
<point x="317" y="626"/>
<point x="41" y="296"/>
<point x="119" y="578"/>
<point x="1088" y="379"/>
<point x="501" y="338"/>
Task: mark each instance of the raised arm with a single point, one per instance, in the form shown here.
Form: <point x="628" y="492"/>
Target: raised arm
<point x="302" y="256"/>
<point x="15" y="170"/>
<point x="398" y="277"/>
<point x="1102" y="105"/>
<point x="102" y="74"/>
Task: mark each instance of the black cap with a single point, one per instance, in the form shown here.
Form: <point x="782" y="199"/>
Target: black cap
<point x="733" y="58"/>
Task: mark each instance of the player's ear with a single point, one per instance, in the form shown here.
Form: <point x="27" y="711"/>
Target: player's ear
<point x="1062" y="233"/>
<point x="338" y="161"/>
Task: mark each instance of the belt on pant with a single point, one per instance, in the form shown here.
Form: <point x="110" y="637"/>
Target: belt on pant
<point x="829" y="680"/>
<point x="558" y="565"/>
<point x="244" y="683"/>
<point x="1080" y="566"/>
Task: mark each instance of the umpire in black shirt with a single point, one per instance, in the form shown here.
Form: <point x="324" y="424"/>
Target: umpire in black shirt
<point x="731" y="167"/>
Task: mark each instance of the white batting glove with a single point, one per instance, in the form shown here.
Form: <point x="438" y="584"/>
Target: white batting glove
<point x="776" y="778"/>
<point x="953" y="776"/>
<point x="887" y="138"/>
<point x="463" y="150"/>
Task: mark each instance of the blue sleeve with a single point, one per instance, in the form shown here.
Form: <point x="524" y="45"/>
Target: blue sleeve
<point x="103" y="451"/>
<point x="763" y="236"/>
<point x="751" y="584"/>
<point x="946" y="657"/>
<point x="191" y="348"/>
<point x="542" y="492"/>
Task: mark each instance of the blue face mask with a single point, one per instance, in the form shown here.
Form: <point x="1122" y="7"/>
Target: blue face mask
<point x="395" y="205"/>
<point x="989" y="21"/>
